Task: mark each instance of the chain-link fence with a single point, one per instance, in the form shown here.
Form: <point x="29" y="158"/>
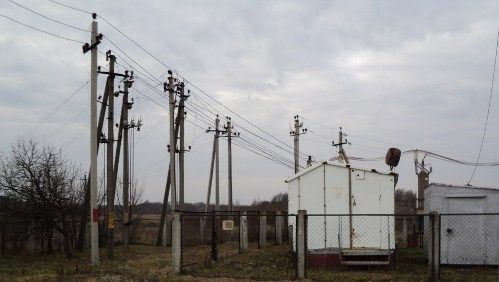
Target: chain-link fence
<point x="469" y="239"/>
<point x="224" y="236"/>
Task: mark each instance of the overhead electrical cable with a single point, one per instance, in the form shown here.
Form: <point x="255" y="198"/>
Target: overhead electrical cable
<point x="188" y="82"/>
<point x="56" y="109"/>
<point x="41" y="30"/>
<point x="488" y="110"/>
<point x="49" y="18"/>
<point x="70" y="7"/>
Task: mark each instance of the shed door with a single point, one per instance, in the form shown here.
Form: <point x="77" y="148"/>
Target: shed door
<point x="366" y="230"/>
<point x="465" y="234"/>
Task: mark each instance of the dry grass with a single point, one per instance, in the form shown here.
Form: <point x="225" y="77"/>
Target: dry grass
<point x="139" y="263"/>
<point x="150" y="263"/>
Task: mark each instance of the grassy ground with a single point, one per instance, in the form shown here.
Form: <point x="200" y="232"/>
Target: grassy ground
<point x="139" y="263"/>
<point x="150" y="263"/>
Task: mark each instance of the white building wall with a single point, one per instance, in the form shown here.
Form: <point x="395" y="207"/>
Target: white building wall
<point x="337" y="203"/>
<point x="465" y="239"/>
<point x="324" y="189"/>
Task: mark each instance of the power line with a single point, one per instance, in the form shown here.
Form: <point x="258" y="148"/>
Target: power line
<point x="433" y="155"/>
<point x="188" y="82"/>
<point x="67" y="122"/>
<point x="205" y="119"/>
<point x="196" y="87"/>
<point x="43" y="31"/>
<point x="49" y="18"/>
<point x="275" y="157"/>
<point x="488" y="110"/>
<point x="56" y="109"/>
<point x="70" y="7"/>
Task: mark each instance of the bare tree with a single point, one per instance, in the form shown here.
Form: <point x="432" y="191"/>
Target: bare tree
<point x="136" y="192"/>
<point x="43" y="185"/>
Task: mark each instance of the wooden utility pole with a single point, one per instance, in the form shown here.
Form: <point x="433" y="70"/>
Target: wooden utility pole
<point x="126" y="166"/>
<point x="110" y="161"/>
<point x="296" y="136"/>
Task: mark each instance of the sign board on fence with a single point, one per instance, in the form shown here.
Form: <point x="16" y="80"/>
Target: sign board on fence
<point x="228" y="225"/>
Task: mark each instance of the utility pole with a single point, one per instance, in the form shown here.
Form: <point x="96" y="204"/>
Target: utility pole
<point x="120" y="126"/>
<point x="296" y="134"/>
<point x="214" y="161"/>
<point x="167" y="193"/>
<point x="423" y="174"/>
<point x="94" y="228"/>
<point x="126" y="165"/>
<point x="210" y="180"/>
<point x="217" y="164"/>
<point x="95" y="38"/>
<point x="171" y="96"/>
<point x="86" y="204"/>
<point x="182" y="150"/>
<point x="110" y="161"/>
<point x="342" y="156"/>
<point x="228" y="130"/>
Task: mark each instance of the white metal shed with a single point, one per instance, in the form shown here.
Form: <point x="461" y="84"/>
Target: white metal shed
<point x="465" y="238"/>
<point x="336" y="191"/>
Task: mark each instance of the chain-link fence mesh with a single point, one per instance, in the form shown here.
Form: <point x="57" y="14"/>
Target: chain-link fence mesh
<point x="197" y="233"/>
<point x="469" y="239"/>
<point x="230" y="237"/>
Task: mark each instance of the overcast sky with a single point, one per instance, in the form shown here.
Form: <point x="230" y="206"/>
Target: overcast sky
<point x="415" y="74"/>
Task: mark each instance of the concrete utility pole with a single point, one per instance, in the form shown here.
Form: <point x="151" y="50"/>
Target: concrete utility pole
<point x="342" y="156"/>
<point x="228" y="130"/>
<point x="229" y="160"/>
<point x="210" y="180"/>
<point x="126" y="166"/>
<point x="182" y="150"/>
<point x="94" y="41"/>
<point x="110" y="161"/>
<point x="296" y="134"/>
<point x="86" y="205"/>
<point x="167" y="193"/>
<point x="171" y="95"/>
<point x="215" y="156"/>
<point x="217" y="164"/>
<point x="423" y="174"/>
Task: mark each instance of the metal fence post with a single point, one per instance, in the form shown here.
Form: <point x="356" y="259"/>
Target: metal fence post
<point x="263" y="230"/>
<point x="31" y="239"/>
<point x="214" y="238"/>
<point x="436" y="250"/>
<point x="278" y="227"/>
<point x="2" y="241"/>
<point x="176" y="242"/>
<point x="201" y="229"/>
<point x="290" y="233"/>
<point x="404" y="232"/>
<point x="243" y="233"/>
<point x="301" y="247"/>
